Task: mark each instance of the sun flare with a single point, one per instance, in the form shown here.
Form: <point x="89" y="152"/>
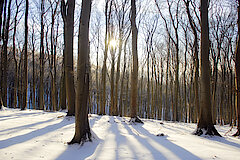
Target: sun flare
<point x="113" y="43"/>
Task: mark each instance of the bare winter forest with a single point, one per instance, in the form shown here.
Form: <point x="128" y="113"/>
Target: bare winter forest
<point x="168" y="60"/>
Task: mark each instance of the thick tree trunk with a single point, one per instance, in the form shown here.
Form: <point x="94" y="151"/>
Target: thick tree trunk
<point x="237" y="70"/>
<point x="205" y="125"/>
<point x="68" y="18"/>
<point x="82" y="128"/>
<point x="134" y="75"/>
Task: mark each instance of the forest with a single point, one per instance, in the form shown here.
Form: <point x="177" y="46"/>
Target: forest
<point x="176" y="61"/>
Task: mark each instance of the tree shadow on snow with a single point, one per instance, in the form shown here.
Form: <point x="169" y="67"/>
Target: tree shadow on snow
<point x="18" y="115"/>
<point x="225" y="141"/>
<point x="112" y="145"/>
<point x="160" y="145"/>
<point x="79" y="152"/>
<point x="23" y="114"/>
<point x="15" y="129"/>
<point x="33" y="134"/>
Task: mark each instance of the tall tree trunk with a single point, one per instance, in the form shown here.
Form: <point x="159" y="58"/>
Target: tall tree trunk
<point x="118" y="73"/>
<point x="196" y="61"/>
<point x="161" y="92"/>
<point x="97" y="82"/>
<point x="237" y="70"/>
<point x="41" y="87"/>
<point x="63" y="81"/>
<point x="33" y="73"/>
<point x="1" y="13"/>
<point x="126" y="104"/>
<point x="167" y="108"/>
<point x="53" y="60"/>
<point x="82" y="128"/>
<point x="122" y="79"/>
<point x="134" y="75"/>
<point x="4" y="57"/>
<point x="152" y="94"/>
<point x="68" y="18"/>
<point x="14" y="56"/>
<point x="205" y="120"/>
<point x="112" y="105"/>
<point x="25" y="81"/>
<point x="148" y="86"/>
<point x="104" y="68"/>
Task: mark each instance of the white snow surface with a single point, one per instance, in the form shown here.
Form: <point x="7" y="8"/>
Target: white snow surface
<point x="39" y="135"/>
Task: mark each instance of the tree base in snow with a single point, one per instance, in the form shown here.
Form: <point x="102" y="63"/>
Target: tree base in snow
<point x="86" y="136"/>
<point x="135" y="120"/>
<point x="237" y="133"/>
<point x="70" y="114"/>
<point x="209" y="130"/>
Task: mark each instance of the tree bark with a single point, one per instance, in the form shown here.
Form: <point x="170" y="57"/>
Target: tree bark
<point x="237" y="70"/>
<point x="196" y="61"/>
<point x="205" y="125"/>
<point x="67" y="11"/>
<point x="4" y="57"/>
<point x="82" y="128"/>
<point x="25" y="79"/>
<point x="104" y="68"/>
<point x="41" y="87"/>
<point x="134" y="76"/>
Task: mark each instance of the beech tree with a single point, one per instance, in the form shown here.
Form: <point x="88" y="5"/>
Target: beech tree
<point x="82" y="128"/>
<point x="25" y="81"/>
<point x="41" y="87"/>
<point x="108" y="9"/>
<point x="237" y="70"/>
<point x="205" y="124"/>
<point x="4" y="54"/>
<point x="67" y="10"/>
<point x="134" y="75"/>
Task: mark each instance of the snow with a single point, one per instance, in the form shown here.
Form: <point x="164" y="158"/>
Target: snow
<point x="33" y="135"/>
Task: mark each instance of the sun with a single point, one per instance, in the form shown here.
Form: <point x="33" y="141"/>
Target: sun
<point x="113" y="43"/>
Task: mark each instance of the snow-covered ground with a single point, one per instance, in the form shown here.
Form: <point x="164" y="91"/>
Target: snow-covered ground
<point x="34" y="135"/>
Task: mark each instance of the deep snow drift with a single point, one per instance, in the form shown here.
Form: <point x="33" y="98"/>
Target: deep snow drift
<point x="42" y="135"/>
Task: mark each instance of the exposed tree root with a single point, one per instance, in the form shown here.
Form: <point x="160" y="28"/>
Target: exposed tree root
<point x="209" y="130"/>
<point x="237" y="133"/>
<point x="136" y="120"/>
<point x="86" y="136"/>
